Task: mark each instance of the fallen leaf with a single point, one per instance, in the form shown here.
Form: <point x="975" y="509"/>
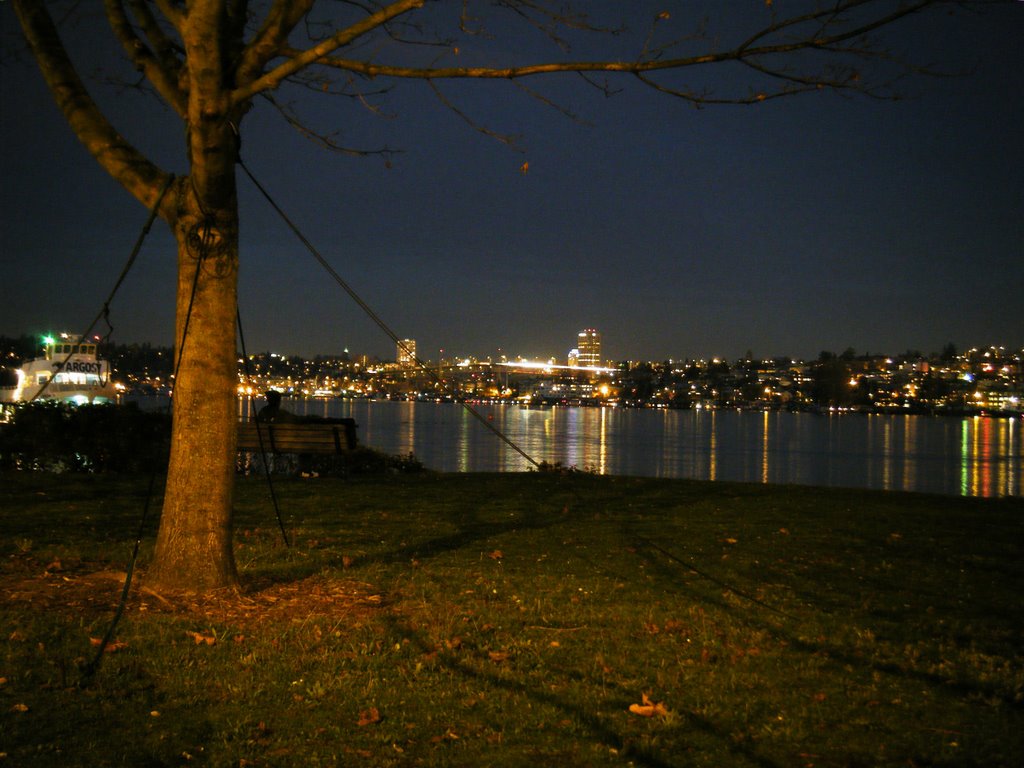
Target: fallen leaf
<point x="200" y="638"/>
<point x="346" y="561"/>
<point x="648" y="708"/>
<point x="369" y="717"/>
<point x="20" y="708"/>
<point x="112" y="647"/>
<point x="449" y="735"/>
<point x="498" y="655"/>
<point x="496" y="555"/>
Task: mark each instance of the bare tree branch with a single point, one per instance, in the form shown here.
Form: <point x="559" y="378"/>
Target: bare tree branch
<point x="831" y="30"/>
<point x="326" y="140"/>
<point x="121" y="160"/>
<point x="165" y="81"/>
<point x="167" y="51"/>
<point x="344" y="37"/>
<point x="504" y="138"/>
<point x="279" y="23"/>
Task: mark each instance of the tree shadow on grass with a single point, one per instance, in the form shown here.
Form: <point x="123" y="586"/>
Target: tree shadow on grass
<point x="470" y="530"/>
<point x="601" y="728"/>
<point x="784" y="626"/>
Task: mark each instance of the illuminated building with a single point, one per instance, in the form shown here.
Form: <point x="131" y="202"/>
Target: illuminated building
<point x="589" y="346"/>
<point x="405" y="353"/>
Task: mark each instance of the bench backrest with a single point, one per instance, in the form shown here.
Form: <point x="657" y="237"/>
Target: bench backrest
<point x="334" y="436"/>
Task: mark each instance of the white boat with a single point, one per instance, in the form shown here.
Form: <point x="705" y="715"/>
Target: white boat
<point x="68" y="371"/>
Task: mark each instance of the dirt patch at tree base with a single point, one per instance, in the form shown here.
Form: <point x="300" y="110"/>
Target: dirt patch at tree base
<point x="86" y="590"/>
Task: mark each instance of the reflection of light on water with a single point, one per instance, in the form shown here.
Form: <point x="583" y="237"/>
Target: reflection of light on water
<point x="975" y="451"/>
<point x="463" y="450"/>
<point x="988" y="457"/>
<point x="572" y="437"/>
<point x="887" y="455"/>
<point x="602" y="446"/>
<point x="965" y="453"/>
<point x="667" y="429"/>
<point x="713" y="450"/>
<point x="1012" y="489"/>
<point x="407" y="439"/>
<point x="969" y="457"/>
<point x="549" y="430"/>
<point x="764" y="448"/>
<point x="909" y="459"/>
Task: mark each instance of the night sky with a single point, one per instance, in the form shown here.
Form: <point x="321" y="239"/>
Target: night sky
<point x="820" y="222"/>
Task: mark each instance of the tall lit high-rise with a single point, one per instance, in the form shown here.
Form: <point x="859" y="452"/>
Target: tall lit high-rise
<point x="589" y="346"/>
<point x="405" y="354"/>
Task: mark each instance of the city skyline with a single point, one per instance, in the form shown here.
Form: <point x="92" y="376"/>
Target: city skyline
<point x="570" y="358"/>
<point x="808" y="224"/>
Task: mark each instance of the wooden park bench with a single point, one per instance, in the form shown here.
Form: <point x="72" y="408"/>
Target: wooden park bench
<point x="334" y="436"/>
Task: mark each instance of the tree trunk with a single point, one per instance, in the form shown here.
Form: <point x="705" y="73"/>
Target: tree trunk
<point x="194" y="544"/>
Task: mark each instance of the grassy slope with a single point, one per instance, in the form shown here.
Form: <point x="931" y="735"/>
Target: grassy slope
<point x="513" y="620"/>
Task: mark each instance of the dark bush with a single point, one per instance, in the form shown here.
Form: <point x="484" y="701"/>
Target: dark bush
<point x="61" y="437"/>
<point x="359" y="461"/>
<point x="58" y="437"/>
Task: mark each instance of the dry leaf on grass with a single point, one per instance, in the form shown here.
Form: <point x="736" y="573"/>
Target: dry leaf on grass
<point x="448" y="735"/>
<point x="112" y="647"/>
<point x="369" y="717"/>
<point x="200" y="638"/>
<point x="648" y="708"/>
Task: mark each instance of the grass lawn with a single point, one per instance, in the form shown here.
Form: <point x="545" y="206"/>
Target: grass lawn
<point x="508" y="620"/>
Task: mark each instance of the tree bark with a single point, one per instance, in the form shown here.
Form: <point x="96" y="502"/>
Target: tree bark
<point x="194" y="547"/>
<point x="194" y="542"/>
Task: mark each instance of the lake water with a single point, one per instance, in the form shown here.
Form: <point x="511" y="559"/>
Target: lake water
<point x="961" y="457"/>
